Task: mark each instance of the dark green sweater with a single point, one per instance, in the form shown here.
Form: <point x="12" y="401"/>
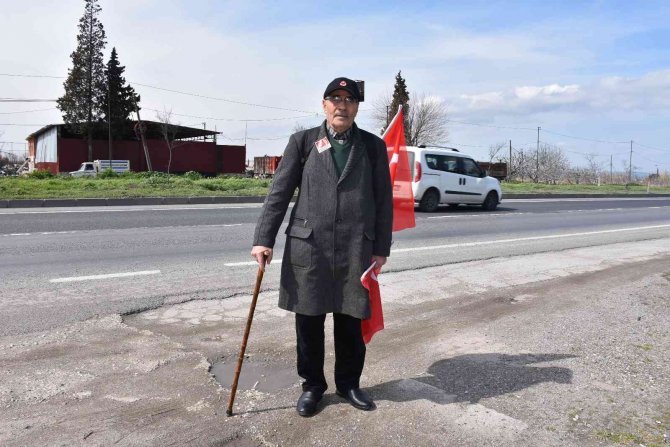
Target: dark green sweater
<point x="340" y="154"/>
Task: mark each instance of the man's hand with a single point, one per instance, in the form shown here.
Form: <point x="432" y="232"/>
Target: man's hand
<point x="380" y="260"/>
<point x="263" y="255"/>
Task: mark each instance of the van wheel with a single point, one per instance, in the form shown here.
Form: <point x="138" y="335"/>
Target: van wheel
<point x="491" y="201"/>
<point x="429" y="201"/>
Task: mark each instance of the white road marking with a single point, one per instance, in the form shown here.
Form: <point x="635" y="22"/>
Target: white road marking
<point x="523" y="239"/>
<point x="583" y="199"/>
<point x="107" y="276"/>
<point x="476" y="214"/>
<point x="496" y="241"/>
<point x="480" y="214"/>
<point x="133" y="209"/>
<point x="48" y="233"/>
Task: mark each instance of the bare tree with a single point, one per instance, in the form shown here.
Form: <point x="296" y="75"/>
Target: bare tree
<point x="169" y="131"/>
<point x="381" y="109"/>
<point x="9" y="159"/>
<point x="594" y="167"/>
<point x="629" y="170"/>
<point x="577" y="175"/>
<point x="426" y="119"/>
<point x="520" y="167"/>
<point x="553" y="164"/>
<point x="495" y="149"/>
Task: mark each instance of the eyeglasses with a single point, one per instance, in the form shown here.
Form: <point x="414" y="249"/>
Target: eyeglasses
<point x="337" y="100"/>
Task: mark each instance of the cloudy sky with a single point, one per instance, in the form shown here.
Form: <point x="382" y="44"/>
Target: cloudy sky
<point x="594" y="75"/>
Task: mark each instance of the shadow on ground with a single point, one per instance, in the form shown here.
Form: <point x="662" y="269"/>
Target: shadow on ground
<point x="472" y="377"/>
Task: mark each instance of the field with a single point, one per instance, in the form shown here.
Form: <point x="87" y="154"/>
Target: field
<point x="193" y="185"/>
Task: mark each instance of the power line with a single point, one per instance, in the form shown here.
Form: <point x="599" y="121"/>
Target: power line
<point x="488" y="125"/>
<point x="652" y="147"/>
<point x="172" y="91"/>
<point x="220" y="99"/>
<point x="649" y="159"/>
<point x="14" y="75"/>
<point x="308" y="114"/>
<point x="257" y="139"/>
<point x="17" y="124"/>
<point x="26" y="100"/>
<point x="237" y="120"/>
<point x="28" y="111"/>
<point x="583" y="138"/>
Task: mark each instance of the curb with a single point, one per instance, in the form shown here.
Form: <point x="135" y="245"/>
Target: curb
<point x="48" y="203"/>
<point x="581" y="196"/>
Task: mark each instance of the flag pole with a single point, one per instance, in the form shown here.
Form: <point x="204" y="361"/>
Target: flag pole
<point x="392" y="121"/>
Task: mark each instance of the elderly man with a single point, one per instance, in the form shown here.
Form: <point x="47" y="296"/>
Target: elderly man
<point x="341" y="222"/>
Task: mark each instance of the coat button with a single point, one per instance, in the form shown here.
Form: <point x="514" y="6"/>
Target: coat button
<point x="338" y="220"/>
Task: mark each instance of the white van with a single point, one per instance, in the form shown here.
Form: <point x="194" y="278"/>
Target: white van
<point x="445" y="176"/>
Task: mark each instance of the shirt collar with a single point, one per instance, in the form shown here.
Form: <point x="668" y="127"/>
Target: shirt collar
<point x="342" y="137"/>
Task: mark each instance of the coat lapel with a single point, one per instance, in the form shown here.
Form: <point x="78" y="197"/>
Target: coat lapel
<point x="357" y="149"/>
<point x="325" y="158"/>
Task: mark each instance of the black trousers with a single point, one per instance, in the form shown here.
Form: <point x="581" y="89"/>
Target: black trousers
<point x="349" y="351"/>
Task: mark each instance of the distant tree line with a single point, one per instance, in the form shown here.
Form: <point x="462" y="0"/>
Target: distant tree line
<point x="551" y="165"/>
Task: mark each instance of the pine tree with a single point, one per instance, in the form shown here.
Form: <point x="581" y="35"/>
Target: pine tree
<point x="400" y="96"/>
<point x="119" y="99"/>
<point x="85" y="82"/>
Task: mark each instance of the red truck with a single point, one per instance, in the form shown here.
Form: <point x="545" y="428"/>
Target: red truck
<point x="266" y="166"/>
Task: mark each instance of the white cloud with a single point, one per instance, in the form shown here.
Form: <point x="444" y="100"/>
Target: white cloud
<point x="650" y="92"/>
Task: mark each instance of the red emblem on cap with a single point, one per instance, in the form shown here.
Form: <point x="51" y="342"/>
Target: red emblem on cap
<point x="343" y="83"/>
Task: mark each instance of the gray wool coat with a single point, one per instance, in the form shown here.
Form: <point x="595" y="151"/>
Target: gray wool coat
<point x="336" y="224"/>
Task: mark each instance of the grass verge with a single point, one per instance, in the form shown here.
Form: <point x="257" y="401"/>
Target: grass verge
<point x="129" y="185"/>
<point x="143" y="184"/>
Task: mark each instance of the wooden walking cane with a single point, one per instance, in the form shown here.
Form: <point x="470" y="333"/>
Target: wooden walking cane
<point x="252" y="308"/>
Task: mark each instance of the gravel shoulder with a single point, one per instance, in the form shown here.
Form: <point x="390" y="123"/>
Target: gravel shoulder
<point x="566" y="348"/>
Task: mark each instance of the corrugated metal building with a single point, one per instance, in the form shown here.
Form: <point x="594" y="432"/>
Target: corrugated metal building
<point x="57" y="148"/>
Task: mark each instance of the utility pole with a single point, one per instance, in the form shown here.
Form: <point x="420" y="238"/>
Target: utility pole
<point x="610" y="169"/>
<point x="109" y="118"/>
<point x="245" y="134"/>
<point x="537" y="157"/>
<point x="509" y="168"/>
<point x="630" y="163"/>
<point x="204" y="127"/>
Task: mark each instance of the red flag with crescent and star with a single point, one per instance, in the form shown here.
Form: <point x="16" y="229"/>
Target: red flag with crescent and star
<point x="403" y="216"/>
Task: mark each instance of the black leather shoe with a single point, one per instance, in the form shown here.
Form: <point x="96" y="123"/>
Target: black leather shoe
<point x="358" y="398"/>
<point x="307" y="403"/>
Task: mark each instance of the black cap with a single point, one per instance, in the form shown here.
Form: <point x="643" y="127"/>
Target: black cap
<point x="343" y="84"/>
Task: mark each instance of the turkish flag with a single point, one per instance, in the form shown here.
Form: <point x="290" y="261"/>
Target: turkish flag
<point x="403" y="216"/>
<point x="376" y="321"/>
<point x="401" y="176"/>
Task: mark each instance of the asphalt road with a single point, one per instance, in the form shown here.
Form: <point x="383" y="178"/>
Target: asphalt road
<point x="55" y="264"/>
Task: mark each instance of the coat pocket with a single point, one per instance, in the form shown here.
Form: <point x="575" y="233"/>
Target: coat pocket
<point x="299" y="245"/>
